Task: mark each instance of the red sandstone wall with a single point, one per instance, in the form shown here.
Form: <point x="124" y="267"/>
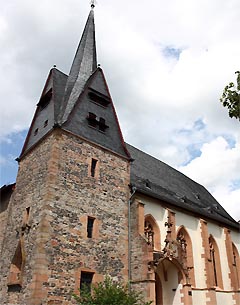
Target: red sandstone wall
<point x="54" y="181"/>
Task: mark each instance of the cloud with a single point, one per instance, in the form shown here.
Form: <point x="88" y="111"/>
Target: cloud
<point x="218" y="169"/>
<point x="166" y="64"/>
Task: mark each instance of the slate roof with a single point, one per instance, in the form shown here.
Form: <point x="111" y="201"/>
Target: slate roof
<point x="78" y="123"/>
<point x="59" y="83"/>
<point x="156" y="179"/>
<point x="84" y="64"/>
<point x="56" y="81"/>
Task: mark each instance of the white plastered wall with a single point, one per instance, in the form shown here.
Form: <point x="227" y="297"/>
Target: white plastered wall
<point x="192" y="225"/>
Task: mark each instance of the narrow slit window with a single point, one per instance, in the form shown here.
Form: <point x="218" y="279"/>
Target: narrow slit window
<point x="90" y="223"/>
<point x="93" y="167"/>
<point x="25" y="224"/>
<point x="35" y="131"/>
<point x="86" y="280"/>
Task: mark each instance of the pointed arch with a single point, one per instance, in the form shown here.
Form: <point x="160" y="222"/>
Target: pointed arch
<point x="152" y="232"/>
<point x="185" y="241"/>
<point x="215" y="265"/>
<point x="236" y="267"/>
<point x="16" y="268"/>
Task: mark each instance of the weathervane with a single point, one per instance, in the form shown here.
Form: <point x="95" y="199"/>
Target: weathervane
<point x="93" y="3"/>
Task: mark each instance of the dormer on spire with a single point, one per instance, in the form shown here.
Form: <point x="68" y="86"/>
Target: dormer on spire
<point x="84" y="64"/>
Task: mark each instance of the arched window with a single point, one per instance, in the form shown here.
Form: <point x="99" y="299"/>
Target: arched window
<point x="149" y="233"/>
<point x="186" y="253"/>
<point x="236" y="267"/>
<point x="16" y="269"/>
<point x="152" y="232"/>
<point x="215" y="265"/>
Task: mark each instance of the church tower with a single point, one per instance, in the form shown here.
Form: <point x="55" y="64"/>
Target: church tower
<point x="67" y="217"/>
<point x="71" y="219"/>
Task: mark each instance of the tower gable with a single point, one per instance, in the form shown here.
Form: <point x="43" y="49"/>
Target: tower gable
<point x="48" y="108"/>
<point x="94" y="117"/>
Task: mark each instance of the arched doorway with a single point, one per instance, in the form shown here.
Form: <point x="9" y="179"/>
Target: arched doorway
<point x="169" y="280"/>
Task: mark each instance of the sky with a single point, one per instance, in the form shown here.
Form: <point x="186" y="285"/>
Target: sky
<point x="166" y="64"/>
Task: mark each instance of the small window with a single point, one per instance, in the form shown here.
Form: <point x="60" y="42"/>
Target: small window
<point x="86" y="280"/>
<point x="93" y="167"/>
<point x="90" y="227"/>
<point x="45" y="123"/>
<point x="149" y="233"/>
<point x="98" y="98"/>
<point x="148" y="185"/>
<point x="92" y="119"/>
<point x="14" y="287"/>
<point x="35" y="131"/>
<point x="94" y="122"/>
<point x="102" y="125"/>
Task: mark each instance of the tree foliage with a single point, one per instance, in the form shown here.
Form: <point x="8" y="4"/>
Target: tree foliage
<point x="231" y="98"/>
<point x="110" y="293"/>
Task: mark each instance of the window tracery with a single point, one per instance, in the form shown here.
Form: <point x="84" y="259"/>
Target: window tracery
<point x="214" y="261"/>
<point x="152" y="232"/>
<point x="185" y="253"/>
<point x="149" y="233"/>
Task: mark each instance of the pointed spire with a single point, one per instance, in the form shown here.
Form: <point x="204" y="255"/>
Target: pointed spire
<point x="84" y="63"/>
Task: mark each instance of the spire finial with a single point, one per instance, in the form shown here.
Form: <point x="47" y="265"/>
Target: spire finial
<point x="93" y="3"/>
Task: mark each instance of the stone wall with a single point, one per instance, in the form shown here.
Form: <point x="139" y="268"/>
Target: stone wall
<point x="5" y="195"/>
<point x="142" y="278"/>
<point x="55" y="181"/>
<point x="29" y="192"/>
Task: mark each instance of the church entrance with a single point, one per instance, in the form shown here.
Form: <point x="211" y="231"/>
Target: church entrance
<point x="168" y="284"/>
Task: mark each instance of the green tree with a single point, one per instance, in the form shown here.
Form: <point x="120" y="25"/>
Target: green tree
<point x="231" y="98"/>
<point x="110" y="293"/>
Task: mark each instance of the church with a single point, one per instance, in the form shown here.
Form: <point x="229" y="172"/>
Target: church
<point x="86" y="204"/>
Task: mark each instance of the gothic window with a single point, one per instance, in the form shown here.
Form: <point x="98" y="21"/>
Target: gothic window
<point x="86" y="280"/>
<point x="152" y="232"/>
<point x="236" y="267"/>
<point x="183" y="243"/>
<point x="214" y="260"/>
<point x="149" y="233"/>
<point x="185" y="252"/>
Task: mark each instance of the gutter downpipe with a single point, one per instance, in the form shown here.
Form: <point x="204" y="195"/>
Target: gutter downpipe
<point x="129" y="236"/>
